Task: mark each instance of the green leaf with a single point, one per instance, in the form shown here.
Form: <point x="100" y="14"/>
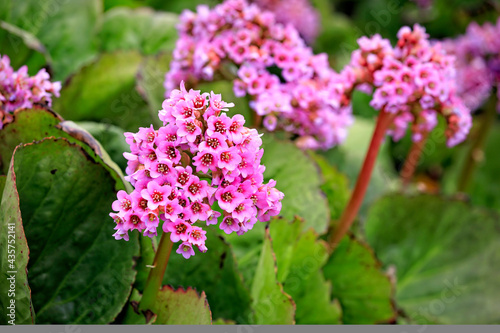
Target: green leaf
<point x="55" y="24"/>
<point x="12" y="238"/>
<point x="111" y="138"/>
<point x="446" y="255"/>
<point x="151" y="77"/>
<point x="215" y="272"/>
<point x="271" y="304"/>
<point x="364" y="291"/>
<point x="298" y="178"/>
<point x="140" y="29"/>
<point x="78" y="272"/>
<point x="299" y="257"/>
<point x="335" y="186"/>
<point x="104" y="91"/>
<point x="182" y="307"/>
<point x="38" y="123"/>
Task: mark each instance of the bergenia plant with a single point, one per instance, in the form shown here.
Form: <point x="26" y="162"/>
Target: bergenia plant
<point x="19" y="90"/>
<point x="198" y="159"/>
<point x="287" y="84"/>
<point x="414" y="83"/>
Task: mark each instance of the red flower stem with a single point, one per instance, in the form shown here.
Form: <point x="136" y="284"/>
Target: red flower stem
<point x="352" y="209"/>
<point x="155" y="277"/>
<point x="412" y="160"/>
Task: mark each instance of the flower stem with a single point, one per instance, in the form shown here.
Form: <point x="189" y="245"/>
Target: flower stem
<point x="155" y="277"/>
<point x="351" y="211"/>
<point x="475" y="153"/>
<point x="412" y="160"/>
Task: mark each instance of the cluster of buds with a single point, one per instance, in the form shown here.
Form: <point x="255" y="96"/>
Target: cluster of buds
<point x="287" y="84"/>
<point x="478" y="63"/>
<point x="198" y="158"/>
<point x="415" y="81"/>
<point x="19" y="90"/>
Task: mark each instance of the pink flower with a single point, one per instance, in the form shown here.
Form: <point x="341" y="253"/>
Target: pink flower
<point x="228" y="198"/>
<point x="188" y="129"/>
<point x="229" y="225"/>
<point x="229" y="159"/>
<point x="179" y="230"/>
<point x="186" y="249"/>
<point x="123" y="204"/>
<point x="156" y="195"/>
<point x="197" y="236"/>
<point x="172" y="210"/>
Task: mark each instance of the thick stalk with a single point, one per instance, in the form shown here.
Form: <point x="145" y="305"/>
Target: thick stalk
<point x="351" y="211"/>
<point x="412" y="160"/>
<point x="475" y="153"/>
<point x="155" y="277"/>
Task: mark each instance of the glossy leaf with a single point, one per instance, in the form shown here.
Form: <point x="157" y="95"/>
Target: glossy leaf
<point x="364" y="291"/>
<point x="446" y="255"/>
<point x="215" y="272"/>
<point x="78" y="272"/>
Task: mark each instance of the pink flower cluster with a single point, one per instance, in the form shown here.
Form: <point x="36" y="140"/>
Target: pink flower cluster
<point x="415" y="81"/>
<point x="289" y="86"/>
<point x="478" y="63"/>
<point x="299" y="13"/>
<point x="199" y="157"/>
<point x="19" y="90"/>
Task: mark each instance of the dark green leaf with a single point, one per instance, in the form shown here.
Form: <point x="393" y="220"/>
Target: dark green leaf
<point x="151" y="77"/>
<point x="78" y="272"/>
<point x="215" y="272"/>
<point x="364" y="291"/>
<point x="446" y="255"/>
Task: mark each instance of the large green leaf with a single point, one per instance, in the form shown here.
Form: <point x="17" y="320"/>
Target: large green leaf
<point x="298" y="178"/>
<point x="364" y="291"/>
<point x="37" y="123"/>
<point x="299" y="257"/>
<point x="446" y="255"/>
<point x="55" y="24"/>
<point x="78" y="273"/>
<point x="16" y="304"/>
<point x="271" y="304"/>
<point x="104" y="91"/>
<point x="182" y="307"/>
<point x="140" y="29"/>
<point x="215" y="272"/>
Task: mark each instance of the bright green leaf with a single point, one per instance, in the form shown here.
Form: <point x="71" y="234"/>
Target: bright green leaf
<point x="270" y="303"/>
